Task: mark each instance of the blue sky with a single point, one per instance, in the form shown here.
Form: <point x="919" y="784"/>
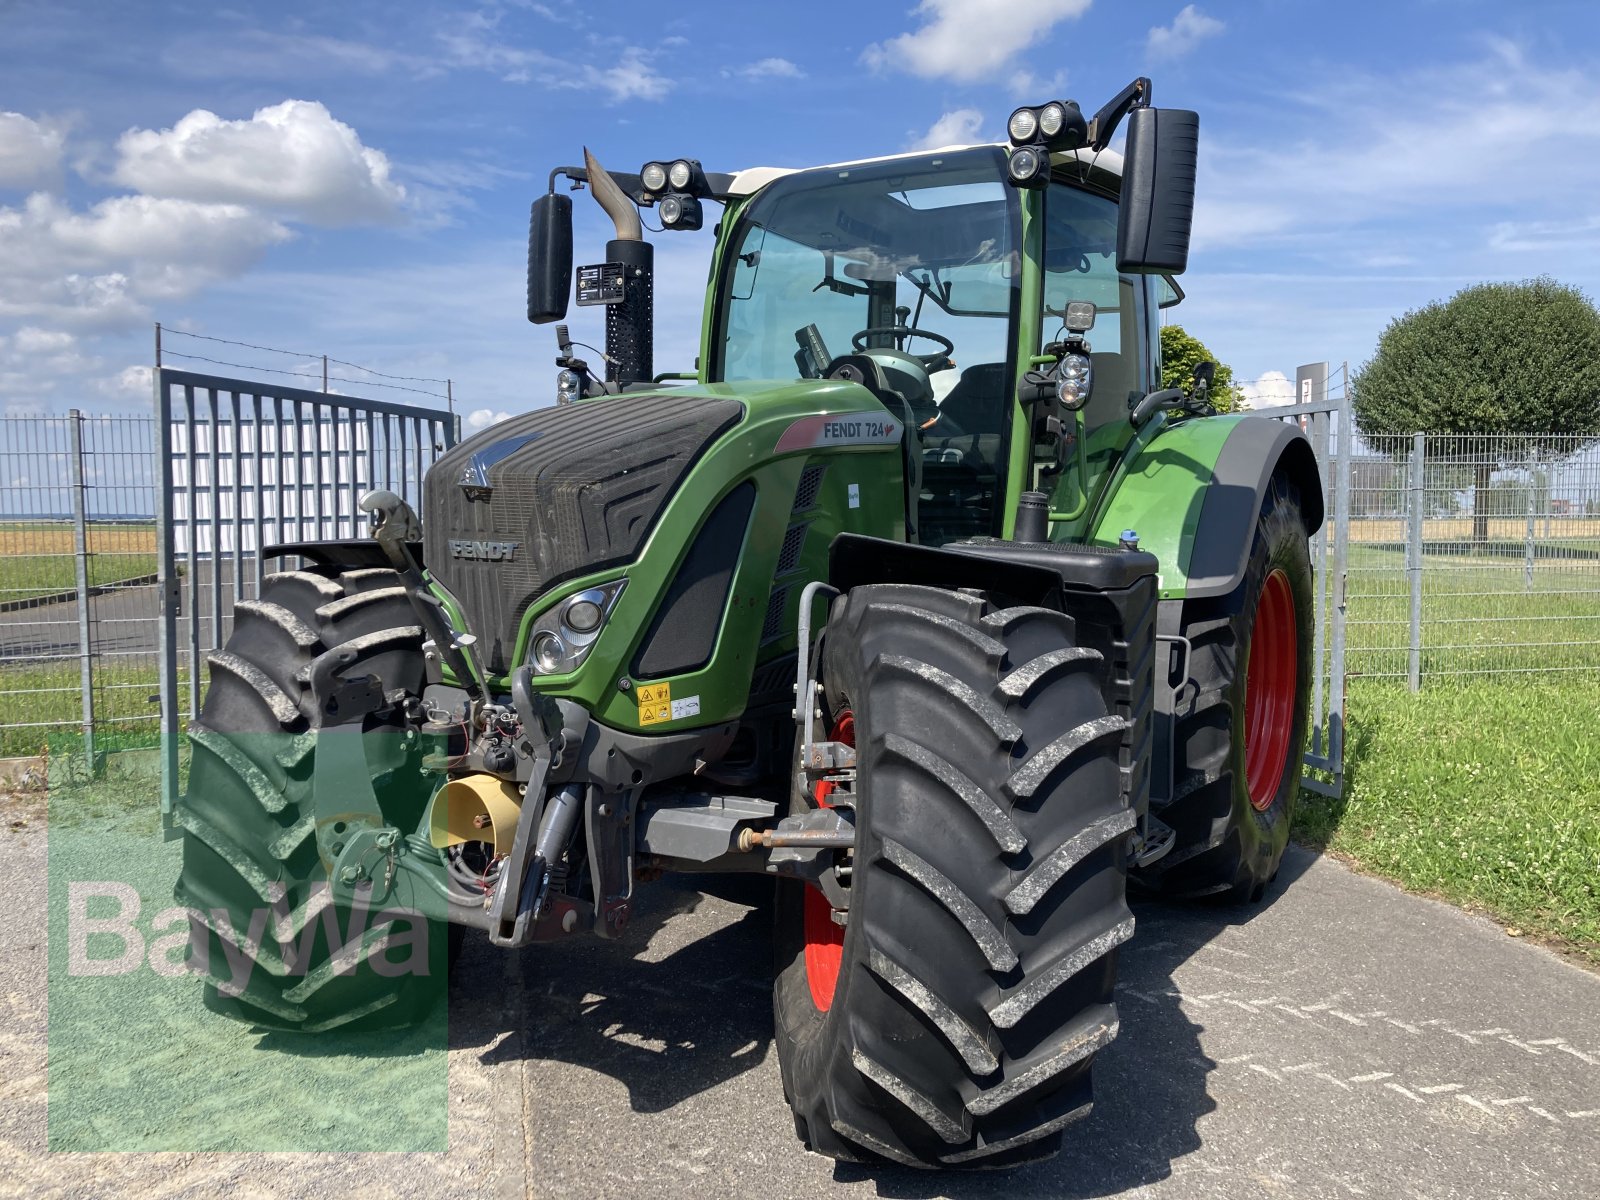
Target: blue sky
<point x="354" y="179"/>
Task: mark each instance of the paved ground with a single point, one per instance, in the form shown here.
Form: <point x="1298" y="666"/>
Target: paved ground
<point x="1340" y="1040"/>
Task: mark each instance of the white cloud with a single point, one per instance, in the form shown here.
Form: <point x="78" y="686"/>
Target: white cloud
<point x="30" y="151"/>
<point x="1188" y="29"/>
<point x="482" y="418"/>
<point x="766" y="68"/>
<point x="970" y="40"/>
<point x="292" y="159"/>
<point x="36" y="362"/>
<point x="631" y="76"/>
<point x="1436" y="144"/>
<point x="127" y="384"/>
<point x="958" y="128"/>
<point x="1273" y="389"/>
<point x="103" y="267"/>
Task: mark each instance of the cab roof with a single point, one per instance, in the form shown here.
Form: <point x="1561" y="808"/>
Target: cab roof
<point x="752" y="179"/>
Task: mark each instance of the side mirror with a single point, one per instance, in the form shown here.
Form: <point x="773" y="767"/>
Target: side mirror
<point x="1204" y="374"/>
<point x="549" y="257"/>
<point x="1157" y="191"/>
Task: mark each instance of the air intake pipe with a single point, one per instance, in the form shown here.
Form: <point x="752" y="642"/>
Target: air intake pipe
<point x="630" y="333"/>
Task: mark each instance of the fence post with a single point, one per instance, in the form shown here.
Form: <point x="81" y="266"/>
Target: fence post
<point x="1527" y="541"/>
<point x="1414" y="504"/>
<point x="80" y="556"/>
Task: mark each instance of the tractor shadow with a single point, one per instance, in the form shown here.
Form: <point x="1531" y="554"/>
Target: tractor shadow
<point x="682" y="1005"/>
<point x="679" y="1005"/>
<point x="1150" y="1084"/>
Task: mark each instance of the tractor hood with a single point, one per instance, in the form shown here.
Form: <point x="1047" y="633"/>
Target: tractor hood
<point x="554" y="494"/>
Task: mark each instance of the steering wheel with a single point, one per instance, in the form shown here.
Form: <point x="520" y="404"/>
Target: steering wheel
<point x="901" y="335"/>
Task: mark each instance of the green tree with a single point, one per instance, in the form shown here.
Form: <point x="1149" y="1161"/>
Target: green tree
<point x="1495" y="359"/>
<point x="1181" y="353"/>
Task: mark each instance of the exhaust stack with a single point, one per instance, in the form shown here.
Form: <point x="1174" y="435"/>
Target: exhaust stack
<point x="630" y="332"/>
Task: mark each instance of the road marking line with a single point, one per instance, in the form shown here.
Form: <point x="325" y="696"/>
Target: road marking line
<point x="1335" y="1080"/>
<point x="1267" y="1071"/>
<point x="1227" y="950"/>
<point x="1578" y="1116"/>
<point x="1490" y="1032"/>
<point x="1409" y="1028"/>
<point x="1237" y="1058"/>
<point x="1382" y="1012"/>
<point x="1466" y="1099"/>
<point x="1372" y="1078"/>
<point x="1300" y="1067"/>
<point x="1293" y="1012"/>
<point x="1441" y="1087"/>
<point x="1315" y="1007"/>
<point x="1241" y="1004"/>
<point x="1465" y="1037"/>
<point x="1590" y="1059"/>
<point x="1548" y="1116"/>
<point x="1547" y="1042"/>
<point x="1513" y="1100"/>
<point x="1266" y="1000"/>
<point x="1406" y="1092"/>
<point x="1528" y="1046"/>
<point x="1344" y="1016"/>
<point x="1135" y="992"/>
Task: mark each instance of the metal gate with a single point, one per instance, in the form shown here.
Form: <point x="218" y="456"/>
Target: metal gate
<point x="242" y="466"/>
<point x="1324" y="414"/>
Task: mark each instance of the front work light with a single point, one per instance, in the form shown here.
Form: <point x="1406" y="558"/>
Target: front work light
<point x="654" y="177"/>
<point x="679" y="211"/>
<point x="1024" y="123"/>
<point x="1075" y="382"/>
<point x="1029" y="166"/>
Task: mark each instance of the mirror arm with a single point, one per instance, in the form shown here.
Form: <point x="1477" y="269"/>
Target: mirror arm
<point x="1104" y="123"/>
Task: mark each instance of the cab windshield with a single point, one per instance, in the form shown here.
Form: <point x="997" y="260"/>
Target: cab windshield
<point x="830" y="262"/>
<point x="842" y="248"/>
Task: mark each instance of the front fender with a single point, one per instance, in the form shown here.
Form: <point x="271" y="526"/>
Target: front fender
<point x="1193" y="491"/>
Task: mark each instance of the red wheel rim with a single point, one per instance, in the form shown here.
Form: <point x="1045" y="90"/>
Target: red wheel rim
<point x="824" y="936"/>
<point x="1271" y="679"/>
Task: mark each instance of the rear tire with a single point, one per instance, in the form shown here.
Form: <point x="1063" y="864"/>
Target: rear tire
<point x="252" y="875"/>
<point x="987" y="896"/>
<point x="1233" y="793"/>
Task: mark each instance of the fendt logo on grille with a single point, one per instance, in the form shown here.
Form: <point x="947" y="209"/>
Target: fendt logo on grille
<point x="484" y="551"/>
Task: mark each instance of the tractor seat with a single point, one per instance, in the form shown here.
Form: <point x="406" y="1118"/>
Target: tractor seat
<point x="972" y="418"/>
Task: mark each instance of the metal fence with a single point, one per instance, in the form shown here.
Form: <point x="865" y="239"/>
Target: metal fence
<point x="243" y="466"/>
<point x="1474" y="555"/>
<point x="78" y="601"/>
<point x="1324" y="415"/>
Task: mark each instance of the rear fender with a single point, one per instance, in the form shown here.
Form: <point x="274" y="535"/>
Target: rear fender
<point x="1192" y="494"/>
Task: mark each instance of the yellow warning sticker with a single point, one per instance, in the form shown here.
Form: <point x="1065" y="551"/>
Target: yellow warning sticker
<point x="655" y="703"/>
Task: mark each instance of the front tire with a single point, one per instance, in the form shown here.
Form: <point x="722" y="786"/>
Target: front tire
<point x="277" y="951"/>
<point x="1240" y="733"/>
<point x="958" y="1015"/>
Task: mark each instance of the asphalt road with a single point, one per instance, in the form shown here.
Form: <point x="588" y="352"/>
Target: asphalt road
<point x="1340" y="1039"/>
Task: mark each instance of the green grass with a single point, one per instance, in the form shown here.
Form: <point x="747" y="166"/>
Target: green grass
<point x="1485" y="792"/>
<point x="1479" y="614"/>
<point x="38" y="700"/>
<point x="36" y="558"/>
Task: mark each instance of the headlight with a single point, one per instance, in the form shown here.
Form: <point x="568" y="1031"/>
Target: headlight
<point x="1051" y="118"/>
<point x="679" y="174"/>
<point x="549" y="653"/>
<point x="568" y="386"/>
<point x="653" y="176"/>
<point x="1024" y="123"/>
<point x="565" y="633"/>
<point x="1076" y="380"/>
<point x="583" y="615"/>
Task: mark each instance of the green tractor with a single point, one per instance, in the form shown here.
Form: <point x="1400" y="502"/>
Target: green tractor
<point x="918" y="596"/>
